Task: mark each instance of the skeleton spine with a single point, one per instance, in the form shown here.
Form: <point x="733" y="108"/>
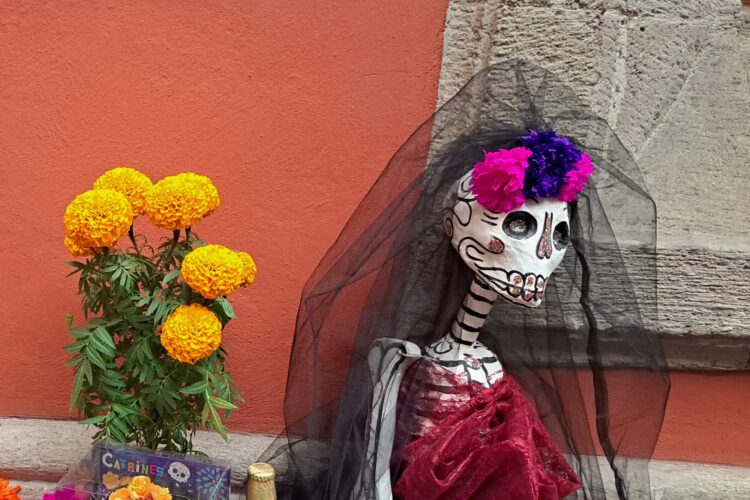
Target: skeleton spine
<point x="473" y="313"/>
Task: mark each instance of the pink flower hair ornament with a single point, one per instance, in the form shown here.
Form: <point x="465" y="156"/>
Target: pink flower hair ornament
<point x="506" y="178"/>
<point x="576" y="179"/>
<point x="497" y="182"/>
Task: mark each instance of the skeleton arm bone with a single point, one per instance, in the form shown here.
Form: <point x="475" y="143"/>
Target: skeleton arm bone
<point x="388" y="360"/>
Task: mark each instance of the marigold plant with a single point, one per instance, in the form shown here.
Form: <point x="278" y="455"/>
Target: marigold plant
<point x="149" y="366"/>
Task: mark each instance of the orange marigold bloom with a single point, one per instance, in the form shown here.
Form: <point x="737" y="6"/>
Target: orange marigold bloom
<point x="98" y="218"/>
<point x="209" y="191"/>
<point x="180" y="201"/>
<point x="7" y="492"/>
<point x="191" y="333"/>
<point x="77" y="250"/>
<point x="121" y="494"/>
<point x="140" y="486"/>
<point x="213" y="270"/>
<point x="249" y="269"/>
<point x="160" y="493"/>
<point x="110" y="480"/>
<point x="129" y="182"/>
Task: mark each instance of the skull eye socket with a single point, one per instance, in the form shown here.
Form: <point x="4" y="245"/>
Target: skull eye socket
<point x="519" y="225"/>
<point x="561" y="236"/>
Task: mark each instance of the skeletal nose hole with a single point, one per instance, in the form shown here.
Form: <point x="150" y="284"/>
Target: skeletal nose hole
<point x="544" y="247"/>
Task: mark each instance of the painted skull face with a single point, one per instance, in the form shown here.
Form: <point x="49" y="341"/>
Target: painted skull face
<point x="179" y="472"/>
<point x="514" y="253"/>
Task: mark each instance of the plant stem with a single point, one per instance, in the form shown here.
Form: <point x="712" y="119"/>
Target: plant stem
<point x="168" y="258"/>
<point x="132" y="238"/>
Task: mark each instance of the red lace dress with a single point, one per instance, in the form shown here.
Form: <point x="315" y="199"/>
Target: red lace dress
<point x="468" y="441"/>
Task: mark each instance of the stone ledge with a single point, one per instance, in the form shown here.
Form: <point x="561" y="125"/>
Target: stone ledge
<point x="42" y="450"/>
<point x="36" y="489"/>
<point x="671" y="480"/>
<point x="37" y="453"/>
<point x="707" y="352"/>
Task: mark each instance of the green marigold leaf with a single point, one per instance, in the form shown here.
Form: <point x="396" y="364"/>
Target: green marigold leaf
<point x="152" y="307"/>
<point x="93" y="420"/>
<point x="227" y="308"/>
<point x="116" y="422"/>
<point x="124" y="410"/>
<point x="195" y="388"/>
<point x="103" y="336"/>
<point x="77" y="384"/>
<point x="79" y="333"/>
<point x="216" y="421"/>
<point x="93" y="355"/>
<point x="113" y="379"/>
<point x="171" y="275"/>
<point x="74" y="361"/>
<point x="220" y="403"/>
<point x="86" y="367"/>
<point x="74" y="347"/>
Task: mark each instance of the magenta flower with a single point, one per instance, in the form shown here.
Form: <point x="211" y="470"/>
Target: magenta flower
<point x="576" y="178"/>
<point x="65" y="494"/>
<point x="497" y="182"/>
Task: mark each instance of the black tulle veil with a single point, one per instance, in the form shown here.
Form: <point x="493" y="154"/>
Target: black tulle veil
<point x="588" y="358"/>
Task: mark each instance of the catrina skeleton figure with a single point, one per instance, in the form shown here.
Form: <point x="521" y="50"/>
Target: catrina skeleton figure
<point x="469" y="409"/>
<point x="484" y="325"/>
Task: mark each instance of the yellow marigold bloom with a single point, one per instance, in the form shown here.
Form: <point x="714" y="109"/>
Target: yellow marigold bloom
<point x="140" y="486"/>
<point x="209" y="190"/>
<point x="213" y="270"/>
<point x="77" y="250"/>
<point x="179" y="201"/>
<point x="98" y="218"/>
<point x="121" y="494"/>
<point x="129" y="182"/>
<point x="110" y="480"/>
<point x="191" y="333"/>
<point x="249" y="269"/>
<point x="160" y="493"/>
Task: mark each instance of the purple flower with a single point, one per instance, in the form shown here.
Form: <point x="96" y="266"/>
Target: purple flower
<point x="553" y="157"/>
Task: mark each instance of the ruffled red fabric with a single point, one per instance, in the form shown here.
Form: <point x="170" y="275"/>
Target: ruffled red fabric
<point x="492" y="447"/>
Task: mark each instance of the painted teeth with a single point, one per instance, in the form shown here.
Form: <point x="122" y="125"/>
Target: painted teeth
<point x="530" y="287"/>
<point x="515" y="286"/>
<point x="541" y="283"/>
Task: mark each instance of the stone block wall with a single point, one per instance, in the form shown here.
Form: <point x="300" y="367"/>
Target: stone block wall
<point x="673" y="80"/>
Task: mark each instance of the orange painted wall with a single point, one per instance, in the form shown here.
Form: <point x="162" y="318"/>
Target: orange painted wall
<point x="292" y="109"/>
<point x="707" y="419"/>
